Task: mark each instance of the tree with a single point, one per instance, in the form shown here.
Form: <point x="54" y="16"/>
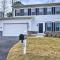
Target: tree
<point x="17" y="4"/>
<point x="9" y="14"/>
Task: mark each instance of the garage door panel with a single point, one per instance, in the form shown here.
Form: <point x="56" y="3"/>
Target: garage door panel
<point x="14" y="29"/>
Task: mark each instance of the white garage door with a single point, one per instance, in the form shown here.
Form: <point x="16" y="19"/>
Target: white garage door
<point x="14" y="29"/>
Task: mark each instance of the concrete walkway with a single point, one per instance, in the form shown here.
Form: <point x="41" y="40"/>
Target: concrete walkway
<point x="5" y="45"/>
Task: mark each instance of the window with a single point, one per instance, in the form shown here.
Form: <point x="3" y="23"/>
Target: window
<point x="57" y="26"/>
<point x="41" y="11"/>
<point x="21" y="12"/>
<point x="49" y="10"/>
<point x="29" y="11"/>
<point x="33" y="12"/>
<point x="25" y="12"/>
<point x="48" y="26"/>
<point x="57" y="10"/>
<point x="17" y="12"/>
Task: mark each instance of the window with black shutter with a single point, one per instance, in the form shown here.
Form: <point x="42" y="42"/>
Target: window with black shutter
<point x="21" y="12"/>
<point x="49" y="10"/>
<point x="33" y="12"/>
<point x="57" y="10"/>
<point x="48" y="26"/>
<point x="57" y="26"/>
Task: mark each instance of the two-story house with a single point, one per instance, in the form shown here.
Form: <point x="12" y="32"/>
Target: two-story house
<point x="37" y="18"/>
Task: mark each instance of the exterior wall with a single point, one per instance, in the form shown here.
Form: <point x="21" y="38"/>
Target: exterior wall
<point x="31" y="8"/>
<point x="20" y="21"/>
<point x="40" y="18"/>
<point x="43" y="19"/>
<point x="33" y="22"/>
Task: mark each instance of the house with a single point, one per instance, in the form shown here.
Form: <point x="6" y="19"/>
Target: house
<point x="1" y="14"/>
<point x="38" y="18"/>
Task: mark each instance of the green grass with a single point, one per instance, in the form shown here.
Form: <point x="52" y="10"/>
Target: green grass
<point x="46" y="48"/>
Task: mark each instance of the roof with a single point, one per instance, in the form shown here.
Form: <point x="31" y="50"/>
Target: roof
<point x="37" y="5"/>
<point x="14" y="18"/>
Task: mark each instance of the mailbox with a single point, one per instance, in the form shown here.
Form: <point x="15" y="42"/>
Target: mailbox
<point x="21" y="37"/>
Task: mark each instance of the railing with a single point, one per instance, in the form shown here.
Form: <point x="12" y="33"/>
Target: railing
<point x="32" y="32"/>
<point x="50" y="33"/>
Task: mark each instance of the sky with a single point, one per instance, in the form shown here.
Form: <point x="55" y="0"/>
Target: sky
<point x="9" y="4"/>
<point x="38" y="1"/>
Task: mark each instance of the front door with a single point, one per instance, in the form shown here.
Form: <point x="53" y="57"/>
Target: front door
<point x="40" y="27"/>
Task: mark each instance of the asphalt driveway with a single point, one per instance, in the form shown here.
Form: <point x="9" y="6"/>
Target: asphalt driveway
<point x="5" y="44"/>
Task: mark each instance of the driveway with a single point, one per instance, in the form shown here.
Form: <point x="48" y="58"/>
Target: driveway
<point x="5" y="44"/>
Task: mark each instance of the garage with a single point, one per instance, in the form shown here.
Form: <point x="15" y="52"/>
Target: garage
<point x="14" y="29"/>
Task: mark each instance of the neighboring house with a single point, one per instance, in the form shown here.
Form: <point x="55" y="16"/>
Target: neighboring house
<point x="1" y="14"/>
<point x="34" y="18"/>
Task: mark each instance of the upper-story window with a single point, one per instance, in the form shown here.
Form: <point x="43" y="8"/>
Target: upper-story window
<point x="37" y="11"/>
<point x="49" y="10"/>
<point x="25" y="12"/>
<point x="17" y="12"/>
<point x="57" y="10"/>
<point x="21" y="12"/>
<point x="41" y="11"/>
<point x="33" y="11"/>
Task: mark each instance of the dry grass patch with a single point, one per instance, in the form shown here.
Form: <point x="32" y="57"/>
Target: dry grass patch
<point x="46" y="48"/>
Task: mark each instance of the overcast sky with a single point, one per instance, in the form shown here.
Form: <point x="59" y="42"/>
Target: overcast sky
<point x="8" y="3"/>
<point x="38" y="1"/>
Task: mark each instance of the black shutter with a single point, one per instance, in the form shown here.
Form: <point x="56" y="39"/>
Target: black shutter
<point x="45" y="11"/>
<point x="53" y="10"/>
<point x="37" y="11"/>
<point x="52" y="26"/>
<point x="29" y="11"/>
<point x="15" y="12"/>
<point x="45" y="27"/>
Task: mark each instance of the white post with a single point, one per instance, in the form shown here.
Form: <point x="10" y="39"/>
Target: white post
<point x="24" y="51"/>
<point x="24" y="46"/>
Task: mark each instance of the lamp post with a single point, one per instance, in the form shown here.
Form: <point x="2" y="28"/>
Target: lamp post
<point x="23" y="42"/>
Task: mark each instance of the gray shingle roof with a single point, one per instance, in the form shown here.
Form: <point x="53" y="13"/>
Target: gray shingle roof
<point x="37" y="5"/>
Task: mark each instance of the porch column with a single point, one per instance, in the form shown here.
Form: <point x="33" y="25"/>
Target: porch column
<point x="29" y="27"/>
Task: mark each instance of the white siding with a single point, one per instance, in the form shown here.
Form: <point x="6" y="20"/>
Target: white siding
<point x="43" y="19"/>
<point x="33" y="22"/>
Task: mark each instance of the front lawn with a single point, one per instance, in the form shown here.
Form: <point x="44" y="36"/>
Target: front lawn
<point x="44" y="48"/>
